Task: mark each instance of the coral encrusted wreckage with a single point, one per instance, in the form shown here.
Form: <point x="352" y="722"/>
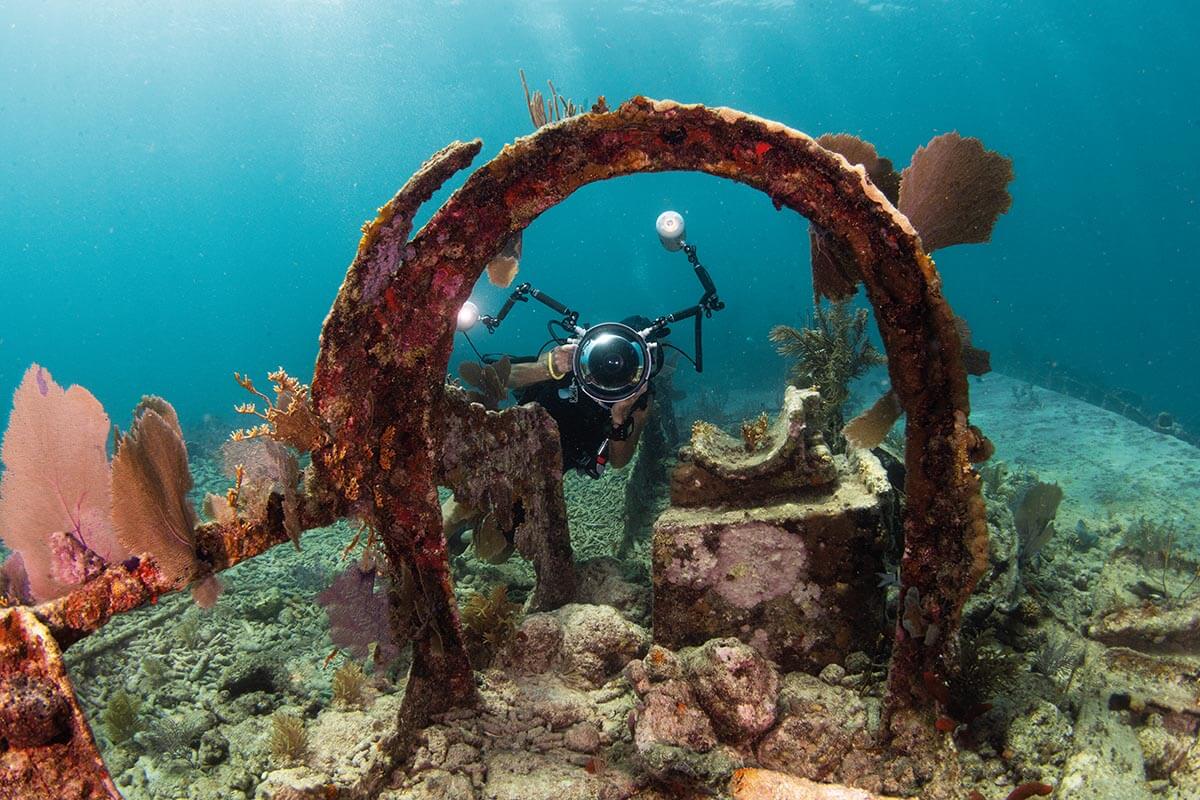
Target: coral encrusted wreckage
<point x="384" y="431"/>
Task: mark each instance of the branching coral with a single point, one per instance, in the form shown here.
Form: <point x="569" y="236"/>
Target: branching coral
<point x="834" y="350"/>
<point x="754" y="432"/>
<point x="289" y="738"/>
<point x="488" y="622"/>
<point x="1157" y="546"/>
<point x="289" y="418"/>
<point x="348" y="685"/>
<point x="122" y="716"/>
<point x="502" y="268"/>
<point x="558" y="108"/>
<point x="596" y="510"/>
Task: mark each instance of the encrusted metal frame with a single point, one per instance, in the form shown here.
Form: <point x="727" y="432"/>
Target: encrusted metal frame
<point x="378" y="384"/>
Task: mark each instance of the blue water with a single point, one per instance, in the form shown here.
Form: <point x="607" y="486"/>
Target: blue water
<point x="181" y="184"/>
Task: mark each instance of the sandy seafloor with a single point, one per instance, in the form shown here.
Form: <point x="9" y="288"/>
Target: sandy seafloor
<point x="210" y="680"/>
<point x="1109" y="467"/>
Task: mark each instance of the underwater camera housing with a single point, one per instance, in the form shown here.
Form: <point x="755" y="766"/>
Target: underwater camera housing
<point x="612" y="360"/>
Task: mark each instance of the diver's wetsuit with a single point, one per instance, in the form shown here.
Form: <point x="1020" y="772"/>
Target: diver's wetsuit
<point x="582" y="426"/>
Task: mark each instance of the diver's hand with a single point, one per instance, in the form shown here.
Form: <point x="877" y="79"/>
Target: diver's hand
<point x="564" y="358"/>
<point x="622" y="409"/>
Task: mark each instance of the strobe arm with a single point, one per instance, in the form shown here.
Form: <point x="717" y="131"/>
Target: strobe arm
<point x="521" y="295"/>
<point x="697" y="312"/>
<point x="518" y="296"/>
<point x="709" y="302"/>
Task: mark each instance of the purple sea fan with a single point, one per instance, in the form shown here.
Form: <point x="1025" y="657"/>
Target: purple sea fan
<point x="56" y="478"/>
<point x="358" y="614"/>
<point x="14" y="583"/>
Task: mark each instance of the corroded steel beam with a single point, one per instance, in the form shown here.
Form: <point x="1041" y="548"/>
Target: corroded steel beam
<point x="46" y="747"/>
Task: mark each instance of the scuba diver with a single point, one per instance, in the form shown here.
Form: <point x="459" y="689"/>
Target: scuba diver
<point x="595" y="382"/>
<point x="584" y="425"/>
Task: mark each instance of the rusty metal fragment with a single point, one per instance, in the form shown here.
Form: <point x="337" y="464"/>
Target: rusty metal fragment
<point x="46" y="747"/>
<point x="509" y="464"/>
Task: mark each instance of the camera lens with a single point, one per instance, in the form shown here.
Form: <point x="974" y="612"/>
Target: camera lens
<point x="611" y="362"/>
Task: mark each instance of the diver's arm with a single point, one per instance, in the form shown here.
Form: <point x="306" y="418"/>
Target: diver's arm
<point x="522" y="375"/>
<point x="621" y="452"/>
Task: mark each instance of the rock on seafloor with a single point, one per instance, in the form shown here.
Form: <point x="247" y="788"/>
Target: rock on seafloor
<point x="763" y="784"/>
<point x="795" y="579"/>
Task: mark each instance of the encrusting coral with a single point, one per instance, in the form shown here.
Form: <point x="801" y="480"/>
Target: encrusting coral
<point x="507" y="467"/>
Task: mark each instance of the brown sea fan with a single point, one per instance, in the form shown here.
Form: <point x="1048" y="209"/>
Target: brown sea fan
<point x="150" y="482"/>
<point x="954" y="190"/>
<point x="857" y="151"/>
<point x="871" y="427"/>
<point x="835" y="270"/>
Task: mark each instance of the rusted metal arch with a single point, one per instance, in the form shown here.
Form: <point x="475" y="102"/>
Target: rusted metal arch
<point x="384" y="352"/>
<point x="387" y="342"/>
